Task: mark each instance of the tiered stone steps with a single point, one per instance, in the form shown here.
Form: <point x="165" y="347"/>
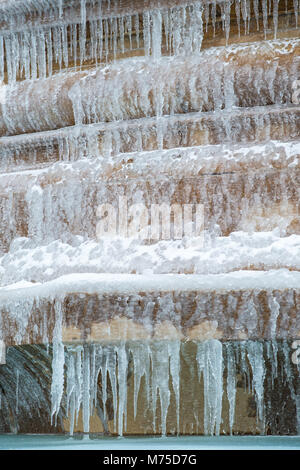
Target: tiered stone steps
<point x="252" y="75"/>
<point x="103" y="307"/>
<point x="47" y="37"/>
<point x="243" y="99"/>
<point x="174" y="126"/>
<point x="241" y="188"/>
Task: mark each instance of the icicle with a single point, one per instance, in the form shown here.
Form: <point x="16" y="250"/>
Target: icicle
<point x="196" y="31"/>
<point x="17" y="392"/>
<point x="82" y="29"/>
<point x="141" y="366"/>
<point x="86" y="390"/>
<point x="146" y="32"/>
<point x="122" y="33"/>
<point x="60" y="8"/>
<point x="114" y="33"/>
<point x="93" y="41"/>
<point x="57" y="46"/>
<point x="160" y="382"/>
<point x="137" y="30"/>
<point x="94" y="378"/>
<point x="176" y="28"/>
<point x="214" y="15"/>
<point x="274" y="314"/>
<point x="84" y="364"/>
<point x="248" y="15"/>
<point x="64" y="35"/>
<point x="122" y="387"/>
<point x="245" y="14"/>
<point x="238" y="15"/>
<point x="100" y="38"/>
<point x="78" y="375"/>
<point x="74" y="43"/>
<point x="174" y="355"/>
<point x="156" y="33"/>
<point x="74" y="383"/>
<point x="206" y="16"/>
<point x="256" y="12"/>
<point x="210" y="364"/>
<point x="49" y="51"/>
<point x="71" y="390"/>
<point x="231" y="383"/>
<point x="16" y="55"/>
<point x="9" y="58"/>
<point x="275" y="17"/>
<point x="165" y="19"/>
<point x="272" y="355"/>
<point x="104" y="368"/>
<point x="255" y="353"/>
<point x="129" y="30"/>
<point x="286" y="351"/>
<point x="112" y="373"/>
<point x="296" y="10"/>
<point x="111" y="21"/>
<point x="106" y="38"/>
<point x="265" y="16"/>
<point x="225" y="15"/>
<point x="57" y="385"/>
<point x="42" y="55"/>
<point x="1" y="59"/>
<point x="34" y="198"/>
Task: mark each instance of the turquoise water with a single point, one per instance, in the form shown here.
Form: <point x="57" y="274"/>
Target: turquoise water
<point x="36" y="442"/>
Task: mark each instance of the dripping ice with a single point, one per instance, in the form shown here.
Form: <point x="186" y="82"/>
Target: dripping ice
<point x="157" y="365"/>
<point x="77" y="369"/>
<point x="38" y="50"/>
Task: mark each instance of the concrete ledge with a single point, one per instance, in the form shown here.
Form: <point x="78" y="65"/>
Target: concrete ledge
<point x="129" y="89"/>
<point x="239" y="125"/>
<point x="240" y="188"/>
<point x="240" y="305"/>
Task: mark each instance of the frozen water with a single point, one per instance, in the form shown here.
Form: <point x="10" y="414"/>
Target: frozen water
<point x="33" y="47"/>
<point x="48" y="212"/>
<point x="57" y="385"/>
<point x="158" y="363"/>
<point x="140" y="88"/>
<point x="210" y="364"/>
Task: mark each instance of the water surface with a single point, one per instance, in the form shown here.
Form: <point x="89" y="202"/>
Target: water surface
<point x="62" y="442"/>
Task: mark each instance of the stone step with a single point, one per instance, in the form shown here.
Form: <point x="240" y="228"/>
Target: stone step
<point x="188" y="131"/>
<point x="238" y="188"/>
<point x="257" y="74"/>
<point x="31" y="261"/>
<point x="230" y="126"/>
<point x="95" y="307"/>
<point x="47" y="40"/>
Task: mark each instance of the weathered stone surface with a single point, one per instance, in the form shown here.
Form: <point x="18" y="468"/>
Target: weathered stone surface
<point x="223" y="313"/>
<point x="242" y="76"/>
<point x="245" y="125"/>
<point x="259" y="197"/>
<point x="221" y="25"/>
<point x="231" y="95"/>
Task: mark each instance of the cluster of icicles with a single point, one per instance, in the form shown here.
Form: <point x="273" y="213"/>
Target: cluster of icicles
<point x="34" y="51"/>
<point x="159" y="363"/>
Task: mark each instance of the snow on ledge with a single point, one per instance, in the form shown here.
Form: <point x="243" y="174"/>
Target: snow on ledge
<point x="132" y="283"/>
